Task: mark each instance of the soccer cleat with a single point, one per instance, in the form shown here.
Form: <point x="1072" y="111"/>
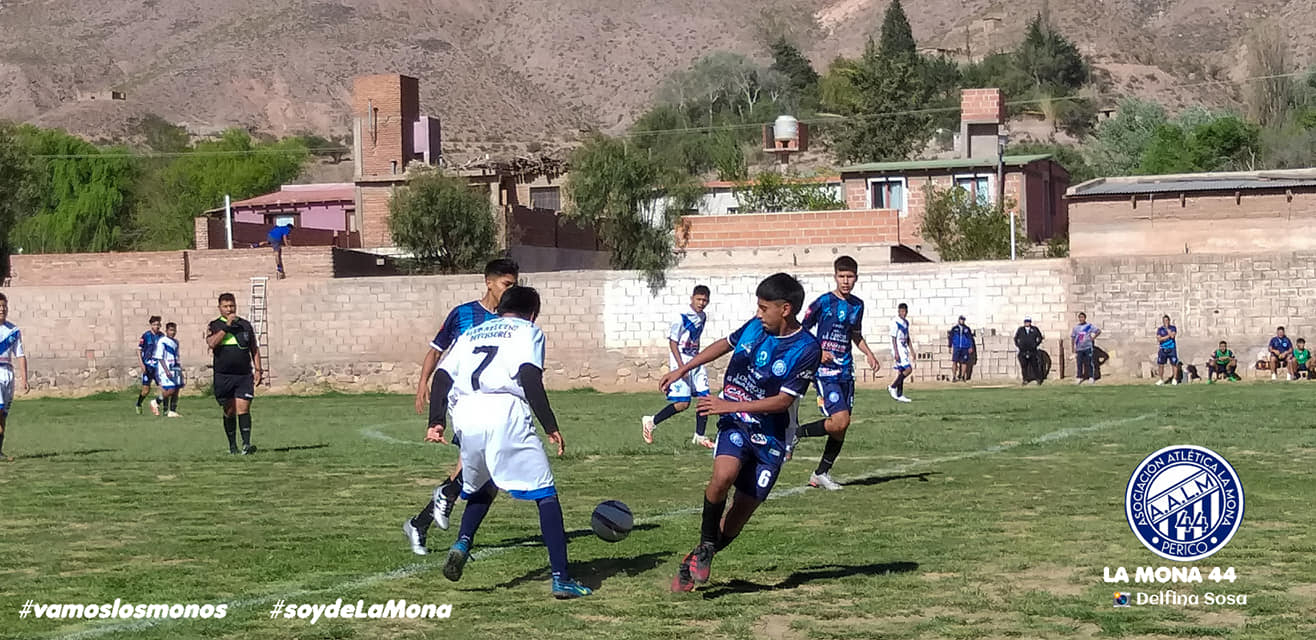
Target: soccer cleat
<point x="703" y="441"/>
<point x="248" y="449"/>
<point x="903" y="399"/>
<point x="442" y="507"/>
<point x="1160" y="382"/>
<point x="155" y="407"/>
<point x="1078" y="382"/>
<point x="566" y="589"/>
<point x="416" y="537"/>
<point x="646" y="429"/>
<point x="173" y="414"/>
<point x="139" y="409"/>
<point x="456" y="561"/>
<point x="824" y="481"/>
<point x="1272" y="377"/>
<point x="1176" y="382"/>
<point x="1288" y="376"/>
<point x="233" y="451"/>
<point x="699" y="562"/>
<point x="892" y="391"/>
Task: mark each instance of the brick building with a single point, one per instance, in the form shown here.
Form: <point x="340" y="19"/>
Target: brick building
<point x="1228" y="212"/>
<point x="1035" y="183"/>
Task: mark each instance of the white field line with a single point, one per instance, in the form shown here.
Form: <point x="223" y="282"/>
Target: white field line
<point x="487" y="552"/>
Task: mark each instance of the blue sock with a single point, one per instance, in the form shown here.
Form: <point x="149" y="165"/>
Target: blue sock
<point x="701" y="425"/>
<point x="667" y="412"/>
<point x="477" y="507"/>
<point x="555" y="534"/>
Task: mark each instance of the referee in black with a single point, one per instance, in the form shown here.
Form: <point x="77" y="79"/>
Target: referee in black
<point x="237" y="356"/>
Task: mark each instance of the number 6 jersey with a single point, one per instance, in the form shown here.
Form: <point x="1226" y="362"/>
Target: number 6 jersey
<point x="484" y="363"/>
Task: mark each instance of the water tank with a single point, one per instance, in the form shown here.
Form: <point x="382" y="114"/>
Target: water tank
<point x="785" y="128"/>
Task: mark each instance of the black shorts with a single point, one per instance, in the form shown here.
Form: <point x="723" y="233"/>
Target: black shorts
<point x="230" y="386"/>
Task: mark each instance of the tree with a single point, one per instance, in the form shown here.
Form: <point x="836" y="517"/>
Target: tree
<point x="1226" y="142"/>
<point x="443" y="222"/>
<point x="1118" y="143"/>
<point x="1270" y="98"/>
<point x="160" y="135"/>
<point x="634" y="202"/>
<point x="802" y="80"/>
<point x="887" y="123"/>
<point x="897" y="38"/>
<point x="84" y="194"/>
<point x="322" y="147"/>
<point x="836" y="89"/>
<point x="772" y="192"/>
<point x="963" y="227"/>
<point x="1051" y="60"/>
<point x="16" y="184"/>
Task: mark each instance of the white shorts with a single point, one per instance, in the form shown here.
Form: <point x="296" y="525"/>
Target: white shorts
<point x="696" y="381"/>
<point x="903" y="359"/>
<point x="6" y="388"/>
<point x="507" y="452"/>
<point x="169" y="379"/>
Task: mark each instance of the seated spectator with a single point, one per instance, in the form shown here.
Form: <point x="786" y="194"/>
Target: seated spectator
<point x="1281" y="355"/>
<point x="1222" y="364"/>
<point x="1300" y="357"/>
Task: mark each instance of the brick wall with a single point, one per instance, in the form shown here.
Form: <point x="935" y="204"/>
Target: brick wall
<point x="145" y="267"/>
<point x="387" y="105"/>
<point x="373" y="206"/>
<point x="911" y="224"/>
<point x="982" y="105"/>
<point x="298" y="262"/>
<point x="1198" y="223"/>
<point x="865" y="226"/>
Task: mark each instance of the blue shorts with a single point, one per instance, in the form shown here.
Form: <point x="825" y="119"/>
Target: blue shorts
<point x="1170" y="356"/>
<point x="960" y="355"/>
<point x="760" y="457"/>
<point x="836" y="395"/>
<point x="148" y="374"/>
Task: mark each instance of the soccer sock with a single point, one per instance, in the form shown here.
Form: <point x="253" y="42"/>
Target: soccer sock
<point x="159" y="399"/>
<point x="815" y="429"/>
<point x="423" y="519"/>
<point x="555" y="534"/>
<point x="477" y="507"/>
<point x="231" y="430"/>
<point x="701" y="425"/>
<point x="830" y="452"/>
<point x="244" y="425"/>
<point x="173" y="402"/>
<point x="900" y="385"/>
<point x="2" y="442"/>
<point x="711" y="529"/>
<point x="141" y="398"/>
<point x="723" y="542"/>
<point x="452" y="489"/>
<point x="667" y="412"/>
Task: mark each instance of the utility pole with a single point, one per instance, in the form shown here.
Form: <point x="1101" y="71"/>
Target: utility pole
<point x="1001" y="139"/>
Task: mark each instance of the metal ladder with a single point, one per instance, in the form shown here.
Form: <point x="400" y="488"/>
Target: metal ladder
<point x="260" y="323"/>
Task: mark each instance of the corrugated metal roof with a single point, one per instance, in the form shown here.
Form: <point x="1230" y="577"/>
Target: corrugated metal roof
<point x="952" y="163"/>
<point x="298" y="194"/>
<point x="1184" y="185"/>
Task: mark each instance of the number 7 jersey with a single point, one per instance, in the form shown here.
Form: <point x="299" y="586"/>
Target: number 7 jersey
<point x="484" y="363"/>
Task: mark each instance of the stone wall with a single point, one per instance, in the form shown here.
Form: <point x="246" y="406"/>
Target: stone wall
<point x="158" y="267"/>
<point x="607" y="330"/>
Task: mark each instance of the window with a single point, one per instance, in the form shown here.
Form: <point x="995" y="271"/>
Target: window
<point x="887" y="193"/>
<point x="979" y="183"/>
<point x="546" y="198"/>
<point x="281" y="219"/>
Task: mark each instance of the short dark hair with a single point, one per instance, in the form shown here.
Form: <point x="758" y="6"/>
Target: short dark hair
<point x="153" y="320"/>
<point x="519" y="301"/>
<point x="3" y="298"/>
<point x="1224" y="342"/>
<point x="701" y="290"/>
<point x="1279" y="328"/>
<point x="845" y="263"/>
<point x="1301" y="341"/>
<point x="171" y="325"/>
<point x="902" y="306"/>
<point x="502" y="267"/>
<point x="1165" y="317"/>
<point x="227" y="297"/>
<point x="782" y="287"/>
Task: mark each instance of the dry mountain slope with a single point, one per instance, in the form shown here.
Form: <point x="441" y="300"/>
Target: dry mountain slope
<point x="496" y="69"/>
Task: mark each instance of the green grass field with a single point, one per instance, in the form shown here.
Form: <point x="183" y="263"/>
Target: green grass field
<point x="972" y="513"/>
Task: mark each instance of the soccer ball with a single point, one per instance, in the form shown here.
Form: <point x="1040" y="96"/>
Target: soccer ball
<point x="612" y="520"/>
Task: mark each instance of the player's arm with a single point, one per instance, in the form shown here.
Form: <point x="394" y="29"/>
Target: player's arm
<point x="531" y="378"/>
<point x="22" y="373"/>
<point x="439" y="406"/>
<point x="710" y="353"/>
<point x="218" y="329"/>
<point x="857" y="337"/>
<point x="713" y="405"/>
<point x="427" y="366"/>
<point x="675" y="348"/>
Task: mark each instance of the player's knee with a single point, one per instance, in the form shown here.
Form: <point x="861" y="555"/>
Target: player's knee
<point x="680" y="406"/>
<point x="719" y="487"/>
<point x="485" y="495"/>
<point x="837" y="424"/>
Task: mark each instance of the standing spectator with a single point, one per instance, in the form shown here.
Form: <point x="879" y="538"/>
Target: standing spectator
<point x="1084" y="338"/>
<point x="1223" y="364"/>
<point x="1028" y="339"/>
<point x="1281" y="354"/>
<point x="961" y="350"/>
<point x="277" y="238"/>
<point x="1167" y="352"/>
<point x="1301" y="355"/>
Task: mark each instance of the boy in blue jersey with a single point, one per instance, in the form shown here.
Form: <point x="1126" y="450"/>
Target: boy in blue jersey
<point x="683" y="343"/>
<point x="960" y="339"/>
<point x="1167" y="352"/>
<point x="838" y="318"/>
<point x="146" y="355"/>
<point x="499" y="276"/>
<point x="1281" y="354"/>
<point x="277" y="237"/>
<point x="772" y="363"/>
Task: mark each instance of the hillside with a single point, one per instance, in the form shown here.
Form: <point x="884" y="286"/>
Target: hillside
<point x="509" y="70"/>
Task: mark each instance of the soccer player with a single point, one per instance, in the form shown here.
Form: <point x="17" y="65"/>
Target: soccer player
<point x="496" y="371"/>
<point x="838" y="317"/>
<point x="237" y="370"/>
<point x="902" y="351"/>
<point x="1281" y="354"/>
<point x="960" y="340"/>
<point x="499" y="276"/>
<point x="1222" y="364"/>
<point x="773" y="360"/>
<point x="146" y="354"/>
<point x="1084" y="338"/>
<point x="11" y="354"/>
<point x="169" y="369"/>
<point x="1168" y="352"/>
<point x="683" y="344"/>
<point x="1301" y="355"/>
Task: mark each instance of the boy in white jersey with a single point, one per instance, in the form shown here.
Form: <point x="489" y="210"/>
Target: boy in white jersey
<point x="902" y="351"/>
<point x="11" y="356"/>
<point x="496" y="371"/>
<point x="683" y="343"/>
<point x="169" y="369"/>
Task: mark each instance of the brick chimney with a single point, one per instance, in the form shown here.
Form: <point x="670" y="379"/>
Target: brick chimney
<point x="384" y="110"/>
<point x="982" y="112"/>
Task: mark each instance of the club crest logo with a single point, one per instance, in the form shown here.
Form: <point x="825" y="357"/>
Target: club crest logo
<point x="737" y="439"/>
<point x="1184" y="502"/>
<point x="758" y="438"/>
<point x="761" y="359"/>
<point x="779" y="368"/>
<point x="833" y="397"/>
